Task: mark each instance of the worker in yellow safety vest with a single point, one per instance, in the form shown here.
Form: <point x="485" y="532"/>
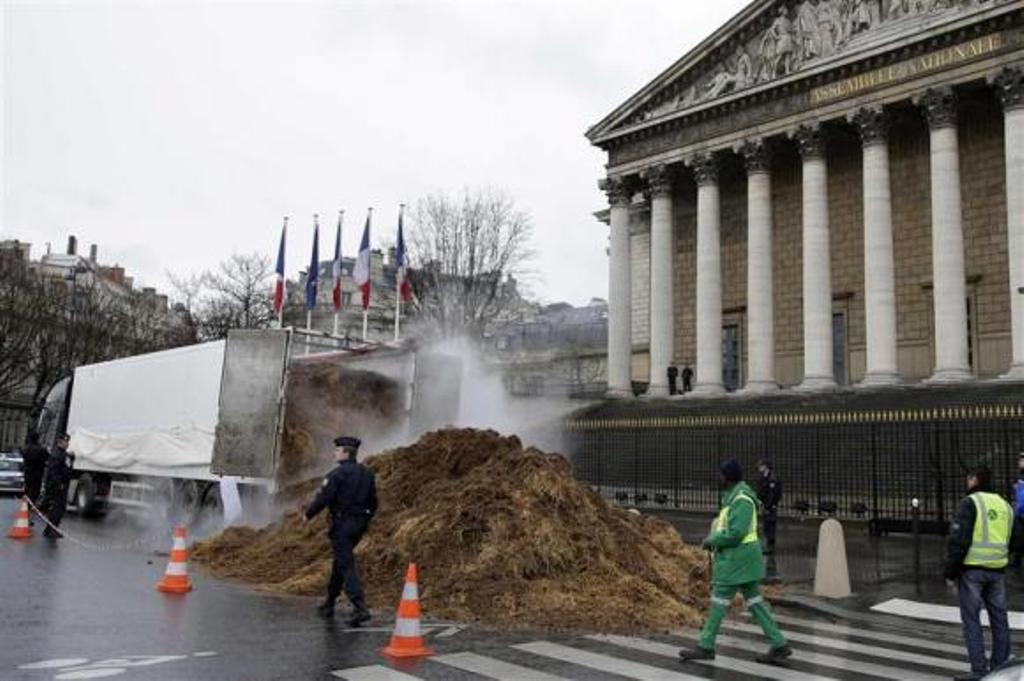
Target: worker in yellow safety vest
<point x="739" y="566"/>
<point x="977" y="554"/>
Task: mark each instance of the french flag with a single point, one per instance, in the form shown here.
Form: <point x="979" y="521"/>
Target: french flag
<point x="314" y="267"/>
<point x="336" y="265"/>
<point x="279" y="284"/>
<point x="402" y="274"/>
<point x="361" y="273"/>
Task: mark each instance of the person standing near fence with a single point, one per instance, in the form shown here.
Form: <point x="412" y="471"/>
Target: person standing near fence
<point x="977" y="553"/>
<point x="769" y="491"/>
<point x="738" y="566"/>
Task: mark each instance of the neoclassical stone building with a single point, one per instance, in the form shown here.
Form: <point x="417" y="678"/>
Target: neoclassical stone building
<point x="823" y="192"/>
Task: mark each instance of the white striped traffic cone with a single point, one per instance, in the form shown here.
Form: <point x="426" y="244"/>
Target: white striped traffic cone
<point x="407" y="641"/>
<point x="20" y="528"/>
<point x="176" y="579"/>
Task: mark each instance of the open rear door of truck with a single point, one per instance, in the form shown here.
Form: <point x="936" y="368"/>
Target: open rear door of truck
<point x="250" y="416"/>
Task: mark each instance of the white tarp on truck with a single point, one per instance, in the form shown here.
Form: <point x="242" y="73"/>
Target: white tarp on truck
<point x="152" y="414"/>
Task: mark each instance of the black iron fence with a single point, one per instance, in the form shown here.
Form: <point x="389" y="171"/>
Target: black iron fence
<point x="852" y="462"/>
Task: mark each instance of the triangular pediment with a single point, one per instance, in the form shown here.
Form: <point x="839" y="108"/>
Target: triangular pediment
<point x="773" y="41"/>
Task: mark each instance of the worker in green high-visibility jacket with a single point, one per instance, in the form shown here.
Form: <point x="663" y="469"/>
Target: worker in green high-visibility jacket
<point x="738" y="566"/>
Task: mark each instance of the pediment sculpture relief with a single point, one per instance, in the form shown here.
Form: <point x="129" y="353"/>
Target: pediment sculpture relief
<point x="802" y="34"/>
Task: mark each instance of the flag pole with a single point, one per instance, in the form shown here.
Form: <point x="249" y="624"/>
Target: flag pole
<point x="364" y="324"/>
<point x="398" y="313"/>
<point x="280" y="313"/>
<point x="398" y="283"/>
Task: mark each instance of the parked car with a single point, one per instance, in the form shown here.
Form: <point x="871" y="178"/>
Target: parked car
<point x="12" y="472"/>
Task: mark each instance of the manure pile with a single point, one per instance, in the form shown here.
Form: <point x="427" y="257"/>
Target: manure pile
<point x="502" y="535"/>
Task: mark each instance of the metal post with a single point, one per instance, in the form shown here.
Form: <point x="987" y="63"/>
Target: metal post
<point x="915" y="511"/>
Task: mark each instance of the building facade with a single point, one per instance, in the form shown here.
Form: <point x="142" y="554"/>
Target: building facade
<point x="555" y="350"/>
<point x="823" y="193"/>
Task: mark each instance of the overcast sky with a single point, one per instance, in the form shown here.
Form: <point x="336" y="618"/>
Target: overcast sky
<point x="174" y="133"/>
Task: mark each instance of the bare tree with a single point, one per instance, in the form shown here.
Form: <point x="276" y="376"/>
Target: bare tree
<point x="237" y="295"/>
<point x="463" y="249"/>
<point x="51" y="324"/>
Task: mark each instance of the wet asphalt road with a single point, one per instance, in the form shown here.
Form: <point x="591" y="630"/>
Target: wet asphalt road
<point x="61" y="601"/>
<point x="71" y="612"/>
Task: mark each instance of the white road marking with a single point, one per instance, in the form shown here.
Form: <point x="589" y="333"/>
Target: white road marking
<point x="833" y="661"/>
<point x="935" y="612"/>
<point x="869" y="634"/>
<point x="450" y="631"/>
<point x="864" y="649"/>
<point x="494" y="669"/>
<point x="53" y="664"/>
<point x="91" y="673"/>
<point x="205" y="653"/>
<point x="721" y="661"/>
<point x="373" y="672"/>
<point x="604" y="663"/>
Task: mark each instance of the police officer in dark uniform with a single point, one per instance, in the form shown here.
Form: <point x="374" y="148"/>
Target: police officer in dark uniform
<point x="350" y="492"/>
<point x="769" y="491"/>
<point x="34" y="456"/>
<point x="55" y="489"/>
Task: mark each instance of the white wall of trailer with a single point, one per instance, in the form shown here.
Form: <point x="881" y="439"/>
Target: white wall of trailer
<point x="151" y="414"/>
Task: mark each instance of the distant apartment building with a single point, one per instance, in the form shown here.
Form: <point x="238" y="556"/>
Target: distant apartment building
<point x="553" y="350"/>
<point x="90" y="292"/>
<point x="380" y="313"/>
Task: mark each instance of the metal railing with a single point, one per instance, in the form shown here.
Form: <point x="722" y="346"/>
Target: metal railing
<point x="847" y="463"/>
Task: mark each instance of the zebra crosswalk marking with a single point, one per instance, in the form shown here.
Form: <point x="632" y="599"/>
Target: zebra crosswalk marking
<point x="831" y="661"/>
<point x="884" y="637"/>
<point x="373" y="672"/>
<point x="720" y="661"/>
<point x="493" y="668"/>
<point x="872" y="650"/>
<point x="605" y="663"/>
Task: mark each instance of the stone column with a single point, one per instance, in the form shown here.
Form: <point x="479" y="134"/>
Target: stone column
<point x="948" y="275"/>
<point x="709" y="278"/>
<point x="879" y="268"/>
<point x="659" y="184"/>
<point x="817" y="267"/>
<point x="760" y="300"/>
<point x="620" y="342"/>
<point x="1010" y="83"/>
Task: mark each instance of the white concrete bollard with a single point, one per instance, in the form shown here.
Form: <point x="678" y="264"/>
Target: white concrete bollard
<point x="831" y="574"/>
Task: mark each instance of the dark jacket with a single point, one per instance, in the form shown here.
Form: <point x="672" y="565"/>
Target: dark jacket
<point x="35" y="457"/>
<point x="961" y="535"/>
<point x="350" y="490"/>
<point x="58" y="468"/>
<point x="769" y="491"/>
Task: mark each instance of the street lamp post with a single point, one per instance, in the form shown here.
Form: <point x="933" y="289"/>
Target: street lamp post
<point x="72" y="276"/>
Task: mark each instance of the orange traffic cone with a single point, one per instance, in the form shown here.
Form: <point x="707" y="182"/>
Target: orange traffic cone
<point x="20" y="528"/>
<point x="175" y="580"/>
<point x="406" y="641"/>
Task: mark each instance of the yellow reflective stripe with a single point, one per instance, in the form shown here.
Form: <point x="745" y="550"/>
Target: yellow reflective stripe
<point x="752" y="534"/>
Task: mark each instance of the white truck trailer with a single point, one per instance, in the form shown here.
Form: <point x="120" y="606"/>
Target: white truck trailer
<point x="251" y="414"/>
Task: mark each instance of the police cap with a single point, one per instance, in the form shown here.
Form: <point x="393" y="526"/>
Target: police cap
<point x="346" y="441"/>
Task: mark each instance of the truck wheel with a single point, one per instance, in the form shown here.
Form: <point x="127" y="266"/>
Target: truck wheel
<point x="85" y="495"/>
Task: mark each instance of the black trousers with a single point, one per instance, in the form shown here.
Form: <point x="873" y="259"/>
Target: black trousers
<point x="771" y="524"/>
<point x="55" y="502"/>
<point x="345" y="535"/>
<point x="33" y="486"/>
